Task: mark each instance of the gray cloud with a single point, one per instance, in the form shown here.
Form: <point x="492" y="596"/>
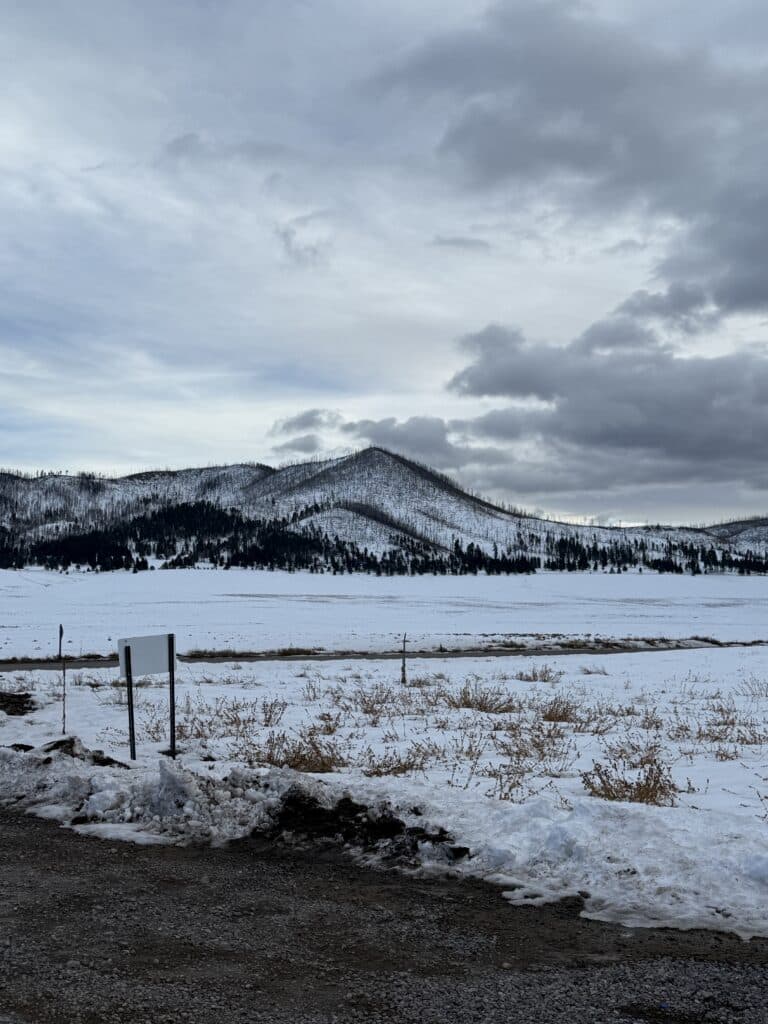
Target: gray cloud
<point x="687" y="415"/>
<point x="551" y="99"/>
<point x="611" y="152"/>
<point x="547" y="90"/>
<point x="683" y="306"/>
<point x="310" y="419"/>
<point x="421" y="437"/>
<point x="304" y="444"/>
<point x="460" y="242"/>
<point x="192" y="147"/>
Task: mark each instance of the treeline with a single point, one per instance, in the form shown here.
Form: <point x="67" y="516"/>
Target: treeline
<point x="195" y="533"/>
<point x="191" y="534"/>
<point x="568" y="554"/>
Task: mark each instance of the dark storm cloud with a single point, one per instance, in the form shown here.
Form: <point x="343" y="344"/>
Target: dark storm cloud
<point x="550" y="99"/>
<point x="685" y="306"/>
<point x="543" y="90"/>
<point x="422" y="437"/>
<point x="727" y="247"/>
<point x="708" y="414"/>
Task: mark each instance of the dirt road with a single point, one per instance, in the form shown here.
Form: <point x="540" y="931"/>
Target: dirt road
<point x="94" y="931"/>
<point x="583" y="648"/>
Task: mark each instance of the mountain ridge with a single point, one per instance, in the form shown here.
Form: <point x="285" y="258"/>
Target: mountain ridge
<point x="373" y="499"/>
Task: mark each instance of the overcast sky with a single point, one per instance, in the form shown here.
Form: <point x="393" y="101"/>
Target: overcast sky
<point x="525" y="243"/>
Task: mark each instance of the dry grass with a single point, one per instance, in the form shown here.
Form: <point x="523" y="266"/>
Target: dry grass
<point x="536" y="747"/>
<point x="492" y="700"/>
<point x="754" y="688"/>
<point x="560" y="709"/>
<point x="614" y="781"/>
<point x="303" y="753"/>
<point x="540" y="674"/>
<point x="633" y="751"/>
<point x="489" y="727"/>
<point x="415" y="758"/>
<point x="272" y="711"/>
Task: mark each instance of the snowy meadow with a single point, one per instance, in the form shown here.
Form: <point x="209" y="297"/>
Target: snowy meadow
<point x="256" y="610"/>
<point x="634" y="782"/>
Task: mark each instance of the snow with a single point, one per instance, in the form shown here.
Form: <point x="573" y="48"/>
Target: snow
<point x="259" y="610"/>
<point x="506" y="783"/>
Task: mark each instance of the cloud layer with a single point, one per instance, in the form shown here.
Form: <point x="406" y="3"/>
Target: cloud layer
<point x="523" y="241"/>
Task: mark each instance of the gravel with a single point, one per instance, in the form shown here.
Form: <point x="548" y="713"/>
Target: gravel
<point x="94" y="931"/>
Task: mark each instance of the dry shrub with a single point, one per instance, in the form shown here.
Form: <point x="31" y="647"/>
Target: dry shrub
<point x="651" y="720"/>
<point x="394" y="762"/>
<point x="375" y="702"/>
<point x="420" y="682"/>
<point x="652" y="785"/>
<point x="536" y="747"/>
<point x="540" y="674"/>
<point x="509" y="781"/>
<point x="593" y="670"/>
<point x="226" y="717"/>
<point x="679" y="729"/>
<point x="756" y="689"/>
<point x="327" y="724"/>
<point x="725" y="724"/>
<point x="470" y="744"/>
<point x="153" y="723"/>
<point x="727" y="754"/>
<point x="272" y="711"/>
<point x="634" y="751"/>
<point x="312" y="691"/>
<point x="492" y="700"/>
<point x="559" y="709"/>
<point x="595" y="722"/>
<point x="304" y="753"/>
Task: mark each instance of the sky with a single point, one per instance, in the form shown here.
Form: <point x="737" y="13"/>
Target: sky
<point x="523" y="242"/>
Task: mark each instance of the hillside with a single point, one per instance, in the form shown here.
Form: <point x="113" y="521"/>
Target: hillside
<point x="368" y="506"/>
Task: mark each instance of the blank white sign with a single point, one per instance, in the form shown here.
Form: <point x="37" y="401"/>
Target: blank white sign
<point x="149" y="655"/>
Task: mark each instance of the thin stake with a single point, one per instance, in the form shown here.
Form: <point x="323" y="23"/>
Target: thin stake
<point x="129" y="681"/>
<point x="63" y="684"/>
<point x="403" y="675"/>
<point x="172" y="687"/>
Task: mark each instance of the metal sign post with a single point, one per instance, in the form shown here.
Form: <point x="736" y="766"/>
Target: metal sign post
<point x="172" y="689"/>
<point x="129" y="682"/>
<point x="146" y="656"/>
<point x="63" y="683"/>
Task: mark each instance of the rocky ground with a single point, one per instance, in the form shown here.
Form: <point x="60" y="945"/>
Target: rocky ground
<point x="94" y="931"/>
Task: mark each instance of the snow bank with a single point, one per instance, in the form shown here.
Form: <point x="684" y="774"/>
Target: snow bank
<point x="637" y="865"/>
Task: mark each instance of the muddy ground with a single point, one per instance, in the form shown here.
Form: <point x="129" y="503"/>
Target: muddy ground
<point x="94" y="931"/>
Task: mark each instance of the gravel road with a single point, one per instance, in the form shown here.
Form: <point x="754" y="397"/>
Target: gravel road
<point x="94" y="931"/>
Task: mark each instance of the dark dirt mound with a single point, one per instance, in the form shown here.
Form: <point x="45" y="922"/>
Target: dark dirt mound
<point x="303" y="815"/>
<point x="16" y="703"/>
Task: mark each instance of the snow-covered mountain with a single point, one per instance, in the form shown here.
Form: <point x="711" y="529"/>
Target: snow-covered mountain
<point x="373" y="498"/>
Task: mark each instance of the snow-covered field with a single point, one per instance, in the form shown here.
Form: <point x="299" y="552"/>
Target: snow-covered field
<point x="257" y="610"/>
<point x="500" y="751"/>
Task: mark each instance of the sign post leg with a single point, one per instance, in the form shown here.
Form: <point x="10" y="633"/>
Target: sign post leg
<point x="172" y="688"/>
<point x="131" y="722"/>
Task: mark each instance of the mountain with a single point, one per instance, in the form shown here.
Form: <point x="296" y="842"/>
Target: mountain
<point x="371" y="504"/>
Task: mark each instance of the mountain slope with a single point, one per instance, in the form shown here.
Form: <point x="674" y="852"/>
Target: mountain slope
<point x="372" y="499"/>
